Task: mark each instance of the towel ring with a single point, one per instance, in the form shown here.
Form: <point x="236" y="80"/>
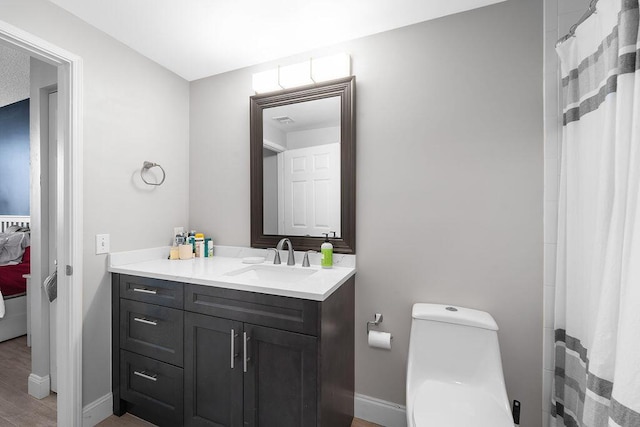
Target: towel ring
<point x="148" y="165"/>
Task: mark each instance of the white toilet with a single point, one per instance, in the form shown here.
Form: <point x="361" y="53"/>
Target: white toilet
<point x="454" y="371"/>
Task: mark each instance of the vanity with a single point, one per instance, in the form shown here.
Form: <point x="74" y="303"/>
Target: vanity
<point x="214" y="342"/>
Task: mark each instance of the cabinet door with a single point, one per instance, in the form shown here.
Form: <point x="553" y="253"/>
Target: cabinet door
<point x="213" y="371"/>
<point x="280" y="385"/>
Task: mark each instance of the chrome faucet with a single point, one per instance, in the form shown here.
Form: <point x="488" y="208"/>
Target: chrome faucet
<point x="291" y="260"/>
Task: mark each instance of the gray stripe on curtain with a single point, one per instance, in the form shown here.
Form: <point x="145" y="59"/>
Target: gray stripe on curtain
<point x="573" y="379"/>
<point x="594" y="67"/>
<point x="600" y="386"/>
<point x="558" y="411"/>
<point x="623" y="34"/>
<point x="628" y="64"/>
<point x="624" y="416"/>
<point x="592" y="72"/>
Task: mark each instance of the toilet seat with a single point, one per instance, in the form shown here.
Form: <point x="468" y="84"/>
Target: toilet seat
<point x="443" y="404"/>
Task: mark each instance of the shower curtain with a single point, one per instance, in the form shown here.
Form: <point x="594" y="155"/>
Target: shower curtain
<point x="597" y="313"/>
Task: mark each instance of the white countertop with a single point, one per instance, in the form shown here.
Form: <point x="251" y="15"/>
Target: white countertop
<point x="212" y="271"/>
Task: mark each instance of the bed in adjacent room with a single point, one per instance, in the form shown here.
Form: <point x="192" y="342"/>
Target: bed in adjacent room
<point x="15" y="257"/>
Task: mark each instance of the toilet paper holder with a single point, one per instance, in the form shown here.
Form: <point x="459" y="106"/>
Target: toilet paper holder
<point x="377" y="319"/>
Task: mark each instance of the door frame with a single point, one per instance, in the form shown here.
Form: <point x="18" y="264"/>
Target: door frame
<point x="69" y="210"/>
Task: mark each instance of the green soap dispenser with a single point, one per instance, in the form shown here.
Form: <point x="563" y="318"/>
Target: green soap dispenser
<point x="327" y="252"/>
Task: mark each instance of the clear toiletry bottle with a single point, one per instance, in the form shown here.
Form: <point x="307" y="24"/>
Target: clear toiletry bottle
<point x="327" y="252"/>
<point x="199" y="245"/>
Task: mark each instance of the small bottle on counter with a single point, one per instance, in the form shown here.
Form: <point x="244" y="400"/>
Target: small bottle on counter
<point x="327" y="252"/>
<point x="208" y="247"/>
<point x="199" y="242"/>
<point x="174" y="253"/>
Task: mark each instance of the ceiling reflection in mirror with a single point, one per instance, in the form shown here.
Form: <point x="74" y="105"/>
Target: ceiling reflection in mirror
<point x="301" y="168"/>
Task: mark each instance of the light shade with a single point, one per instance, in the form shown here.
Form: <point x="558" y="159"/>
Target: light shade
<point x="315" y="70"/>
<point x="296" y="75"/>
<point x="266" y="81"/>
<point x="330" y="67"/>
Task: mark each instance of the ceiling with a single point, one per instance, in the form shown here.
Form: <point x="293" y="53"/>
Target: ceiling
<point x="200" y="38"/>
<point x="14" y="76"/>
<point x="320" y="113"/>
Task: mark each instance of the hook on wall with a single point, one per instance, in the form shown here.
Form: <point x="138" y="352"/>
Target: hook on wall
<point x="377" y="319"/>
<point x="146" y="165"/>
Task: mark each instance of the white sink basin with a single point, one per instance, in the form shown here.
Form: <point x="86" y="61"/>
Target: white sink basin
<point x="272" y="273"/>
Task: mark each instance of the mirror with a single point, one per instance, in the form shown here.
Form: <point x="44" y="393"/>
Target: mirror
<point x="303" y="166"/>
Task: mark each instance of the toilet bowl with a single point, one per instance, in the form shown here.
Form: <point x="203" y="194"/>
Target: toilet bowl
<point x="454" y="370"/>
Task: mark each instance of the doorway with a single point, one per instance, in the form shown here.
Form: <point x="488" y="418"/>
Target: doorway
<point x="68" y="219"/>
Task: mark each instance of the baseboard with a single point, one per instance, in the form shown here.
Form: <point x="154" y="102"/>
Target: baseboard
<point x="367" y="408"/>
<point x="97" y="411"/>
<point x="39" y="387"/>
<point x="380" y="411"/>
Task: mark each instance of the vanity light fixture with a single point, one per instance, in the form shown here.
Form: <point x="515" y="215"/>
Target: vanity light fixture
<point x="267" y="81"/>
<point x="295" y="75"/>
<point x="331" y="67"/>
<point x="314" y="70"/>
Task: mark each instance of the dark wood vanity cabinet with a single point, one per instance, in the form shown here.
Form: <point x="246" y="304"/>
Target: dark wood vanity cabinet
<point x="239" y="359"/>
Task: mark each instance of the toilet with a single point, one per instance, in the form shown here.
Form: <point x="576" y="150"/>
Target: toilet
<point x="454" y="370"/>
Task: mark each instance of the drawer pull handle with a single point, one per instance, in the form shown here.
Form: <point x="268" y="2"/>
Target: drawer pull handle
<point x="233" y="351"/>
<point x="145" y="291"/>
<point x="245" y="359"/>
<point x="146" y="321"/>
<point x="146" y="376"/>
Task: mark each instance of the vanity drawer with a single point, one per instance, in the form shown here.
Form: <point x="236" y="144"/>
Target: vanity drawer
<point x="154" y="389"/>
<point x="289" y="314"/>
<point x="154" y="291"/>
<point x="152" y="330"/>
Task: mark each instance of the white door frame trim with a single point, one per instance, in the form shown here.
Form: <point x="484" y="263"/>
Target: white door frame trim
<point x="69" y="226"/>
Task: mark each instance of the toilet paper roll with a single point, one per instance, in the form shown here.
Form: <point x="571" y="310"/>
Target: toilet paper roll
<point x="379" y="339"/>
<point x="186" y="251"/>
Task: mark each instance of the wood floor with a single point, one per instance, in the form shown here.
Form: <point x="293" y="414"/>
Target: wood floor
<point x="18" y="409"/>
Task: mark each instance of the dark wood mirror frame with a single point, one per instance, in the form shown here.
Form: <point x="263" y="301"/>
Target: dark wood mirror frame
<point x="345" y="89"/>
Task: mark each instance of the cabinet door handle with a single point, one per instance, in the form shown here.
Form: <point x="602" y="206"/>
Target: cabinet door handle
<point x="233" y="349"/>
<point x="146" y="321"/>
<point x="144" y="375"/>
<point x="245" y="358"/>
<point x="145" y="291"/>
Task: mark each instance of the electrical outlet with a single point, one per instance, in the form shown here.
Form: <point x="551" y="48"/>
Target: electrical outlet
<point x="102" y="244"/>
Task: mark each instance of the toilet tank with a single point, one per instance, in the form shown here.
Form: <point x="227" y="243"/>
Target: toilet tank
<point x="454" y="345"/>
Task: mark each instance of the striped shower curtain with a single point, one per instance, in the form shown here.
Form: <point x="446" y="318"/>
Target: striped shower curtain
<point x="597" y="314"/>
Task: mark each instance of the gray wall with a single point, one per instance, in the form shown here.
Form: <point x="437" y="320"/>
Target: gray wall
<point x="313" y="137"/>
<point x="134" y="110"/>
<point x="449" y="181"/>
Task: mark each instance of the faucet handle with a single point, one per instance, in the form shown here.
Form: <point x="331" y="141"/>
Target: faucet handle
<point x="276" y="257"/>
<point x="305" y="261"/>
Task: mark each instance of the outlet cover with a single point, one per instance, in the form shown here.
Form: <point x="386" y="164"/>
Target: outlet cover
<point x="102" y="244"/>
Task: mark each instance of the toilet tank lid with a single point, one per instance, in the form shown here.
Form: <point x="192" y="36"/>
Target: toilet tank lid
<point x="454" y="314"/>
